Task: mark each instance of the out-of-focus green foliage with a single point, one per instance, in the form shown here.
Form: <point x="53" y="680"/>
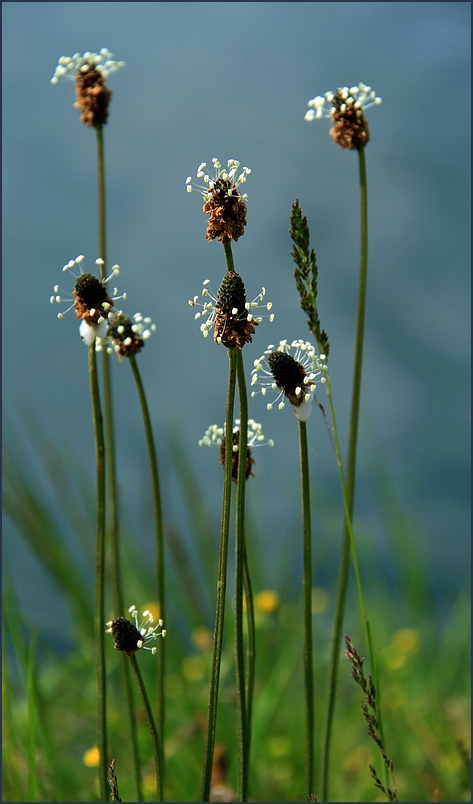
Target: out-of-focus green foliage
<point x="49" y="699"/>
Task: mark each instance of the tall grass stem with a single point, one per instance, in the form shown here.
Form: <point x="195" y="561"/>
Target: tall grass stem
<point x="348" y="488"/>
<point x="240" y="551"/>
<point x="221" y="589"/>
<point x="113" y="526"/>
<point x="157" y="751"/>
<point x="99" y="615"/>
<point x="159" y="531"/>
<point x="307" y="609"/>
<point x="250" y="649"/>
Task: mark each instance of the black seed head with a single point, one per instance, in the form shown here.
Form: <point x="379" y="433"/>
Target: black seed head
<point x="90" y="291"/>
<point x="126" y="635"/>
<point x="288" y="373"/>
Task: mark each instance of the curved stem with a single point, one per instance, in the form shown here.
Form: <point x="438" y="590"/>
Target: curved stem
<point x="113" y="529"/>
<point x="159" y="530"/>
<point x="243" y="735"/>
<point x="307" y="608"/>
<point x="157" y="753"/>
<point x="221" y="589"/>
<point x="99" y="612"/>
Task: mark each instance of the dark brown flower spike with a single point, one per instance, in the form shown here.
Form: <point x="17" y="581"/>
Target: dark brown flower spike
<point x="231" y="316"/>
<point x="294" y="376"/>
<point x="90" y="297"/>
<point x="127" y="336"/>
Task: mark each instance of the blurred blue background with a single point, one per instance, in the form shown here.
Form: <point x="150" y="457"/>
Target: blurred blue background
<point x="233" y="80"/>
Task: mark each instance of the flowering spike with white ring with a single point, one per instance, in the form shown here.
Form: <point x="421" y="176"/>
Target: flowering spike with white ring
<point x="292" y="371"/>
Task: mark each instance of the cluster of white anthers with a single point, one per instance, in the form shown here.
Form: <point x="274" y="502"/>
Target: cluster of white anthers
<point x="103" y="63"/>
<point x="143" y="327"/>
<point x="360" y="98"/>
<point x="87" y="332"/>
<point x="209" y="308"/>
<point x="228" y="174"/>
<point x="313" y="366"/>
<point x="214" y="435"/>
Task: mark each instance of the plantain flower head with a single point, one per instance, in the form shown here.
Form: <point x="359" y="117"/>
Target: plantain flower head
<point x="232" y="317"/>
<point x="126" y="336"/>
<point x="132" y="636"/>
<point x="223" y="201"/>
<point x="294" y="376"/>
<point x="215" y="437"/>
<point x="90" y="299"/>
<point x="345" y="108"/>
<point x="89" y="71"/>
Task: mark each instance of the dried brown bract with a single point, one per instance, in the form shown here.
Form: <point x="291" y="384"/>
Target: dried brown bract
<point x="226" y="211"/>
<point x="92" y="98"/>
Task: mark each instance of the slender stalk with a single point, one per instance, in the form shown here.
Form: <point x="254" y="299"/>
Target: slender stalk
<point x="99" y="616"/>
<point x="221" y="589"/>
<point x="250" y="649"/>
<point x="111" y="464"/>
<point x="101" y="199"/>
<point x="227" y="247"/>
<point x="157" y="752"/>
<point x="348" y="489"/>
<point x="159" y="531"/>
<point x="339" y="611"/>
<point x="243" y="735"/>
<point x="307" y="609"/>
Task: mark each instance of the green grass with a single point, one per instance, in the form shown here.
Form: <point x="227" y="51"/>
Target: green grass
<point x="49" y="698"/>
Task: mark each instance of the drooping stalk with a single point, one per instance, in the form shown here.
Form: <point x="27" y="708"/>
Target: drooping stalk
<point x="221" y="589"/>
<point x="307" y="609"/>
<point x="159" y="532"/>
<point x="99" y="611"/>
<point x="155" y="739"/>
<point x="113" y="530"/>
<point x="240" y="553"/>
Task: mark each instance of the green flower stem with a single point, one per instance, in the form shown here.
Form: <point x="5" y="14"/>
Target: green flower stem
<point x="307" y="608"/>
<point x="221" y="589"/>
<point x="157" y="752"/>
<point x="99" y="614"/>
<point x="243" y="731"/>
<point x="101" y="197"/>
<point x="250" y="648"/>
<point x="227" y="247"/>
<point x="348" y="489"/>
<point x="111" y="465"/>
<point x="340" y="608"/>
<point x="159" y="531"/>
